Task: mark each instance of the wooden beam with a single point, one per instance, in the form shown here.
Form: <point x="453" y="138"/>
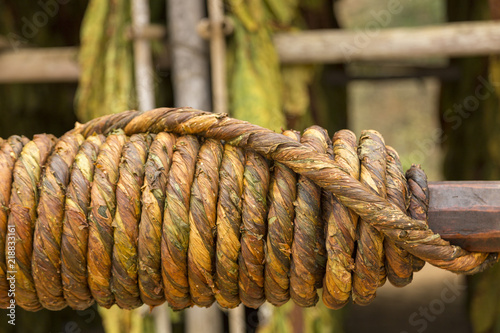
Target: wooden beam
<point x="313" y="46"/>
<point x="35" y="65"/>
<point x="466" y="213"/>
<point x="375" y="43"/>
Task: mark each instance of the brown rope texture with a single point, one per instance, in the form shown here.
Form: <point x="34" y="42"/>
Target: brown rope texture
<point x="191" y="207"/>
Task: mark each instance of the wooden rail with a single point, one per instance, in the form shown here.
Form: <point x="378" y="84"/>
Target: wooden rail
<point x="34" y="65"/>
<point x="312" y="46"/>
<point x="467" y="213"/>
<point x="337" y="46"/>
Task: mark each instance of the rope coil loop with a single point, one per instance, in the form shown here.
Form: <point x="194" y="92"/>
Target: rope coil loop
<point x="193" y="207"/>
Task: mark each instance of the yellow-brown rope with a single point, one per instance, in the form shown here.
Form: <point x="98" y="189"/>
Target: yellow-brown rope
<point x="181" y="216"/>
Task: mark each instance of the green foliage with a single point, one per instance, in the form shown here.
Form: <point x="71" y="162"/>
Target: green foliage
<point x="260" y="89"/>
<point x="320" y="319"/>
<point x="106" y="60"/>
<point x="484" y="301"/>
<point x="296" y="82"/>
<point x="254" y="75"/>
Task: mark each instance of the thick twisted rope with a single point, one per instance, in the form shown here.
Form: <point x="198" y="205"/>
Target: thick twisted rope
<point x="191" y="207"/>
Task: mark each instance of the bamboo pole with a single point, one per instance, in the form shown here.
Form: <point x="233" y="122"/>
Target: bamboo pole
<point x="218" y="56"/>
<point x="189" y="53"/>
<point x="143" y="62"/>
<point x="237" y="319"/>
<point x="190" y="78"/>
<point x="374" y="43"/>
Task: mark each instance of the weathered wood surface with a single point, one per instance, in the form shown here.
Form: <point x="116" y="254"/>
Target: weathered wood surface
<point x="375" y="43"/>
<point x="32" y="65"/>
<point x="312" y="46"/>
<point x="467" y="213"/>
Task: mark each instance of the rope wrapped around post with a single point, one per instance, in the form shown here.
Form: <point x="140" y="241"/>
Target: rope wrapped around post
<point x="191" y="207"/>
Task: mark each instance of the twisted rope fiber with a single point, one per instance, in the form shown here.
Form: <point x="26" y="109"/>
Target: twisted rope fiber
<point x="191" y="207"/>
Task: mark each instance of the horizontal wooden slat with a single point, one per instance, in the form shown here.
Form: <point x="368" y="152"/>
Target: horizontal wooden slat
<point x="33" y="65"/>
<point x="375" y="43"/>
<point x="467" y="213"/>
<point x="312" y="46"/>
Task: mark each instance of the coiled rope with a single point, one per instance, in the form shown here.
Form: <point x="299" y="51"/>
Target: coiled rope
<point x="191" y="207"/>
